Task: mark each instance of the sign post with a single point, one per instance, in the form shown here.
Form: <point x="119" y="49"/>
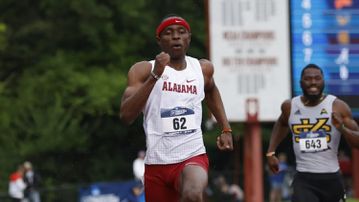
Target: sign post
<point x="253" y="172"/>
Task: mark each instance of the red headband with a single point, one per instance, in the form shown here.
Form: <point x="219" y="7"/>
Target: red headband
<point x="172" y="21"/>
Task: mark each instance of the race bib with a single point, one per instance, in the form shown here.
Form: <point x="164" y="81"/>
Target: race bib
<point x="313" y="141"/>
<point x="179" y="120"/>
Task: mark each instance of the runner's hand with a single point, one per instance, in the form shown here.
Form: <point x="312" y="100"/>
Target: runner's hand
<point x="161" y="61"/>
<point x="225" y="142"/>
<point x="273" y="164"/>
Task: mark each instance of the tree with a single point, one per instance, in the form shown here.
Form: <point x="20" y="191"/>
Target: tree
<point x="63" y="68"/>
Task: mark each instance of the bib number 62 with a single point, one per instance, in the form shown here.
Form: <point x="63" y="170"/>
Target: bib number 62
<point x="179" y="123"/>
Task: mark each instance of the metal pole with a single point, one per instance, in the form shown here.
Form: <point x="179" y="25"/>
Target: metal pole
<point x="253" y="172"/>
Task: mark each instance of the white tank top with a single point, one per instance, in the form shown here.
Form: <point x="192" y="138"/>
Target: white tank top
<point x="173" y="115"/>
<point x="315" y="138"/>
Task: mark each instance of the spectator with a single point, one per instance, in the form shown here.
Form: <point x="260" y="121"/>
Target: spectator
<point x="17" y="185"/>
<point x="277" y="180"/>
<point x="139" y="166"/>
<point x="139" y="172"/>
<point x="32" y="180"/>
<point x="228" y="191"/>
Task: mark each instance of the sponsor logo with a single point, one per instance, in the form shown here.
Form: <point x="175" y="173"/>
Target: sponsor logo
<point x="312" y="135"/>
<point x="101" y="198"/>
<point x="177" y="112"/>
<point x="324" y="111"/>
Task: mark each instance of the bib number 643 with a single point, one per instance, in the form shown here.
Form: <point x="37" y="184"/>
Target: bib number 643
<point x="313" y="144"/>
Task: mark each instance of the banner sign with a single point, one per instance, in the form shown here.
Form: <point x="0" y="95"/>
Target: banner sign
<point x="249" y="47"/>
<point x="111" y="192"/>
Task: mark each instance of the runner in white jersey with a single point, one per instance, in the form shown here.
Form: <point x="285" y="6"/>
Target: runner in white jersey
<point x="317" y="122"/>
<point x="173" y="124"/>
<point x="169" y="91"/>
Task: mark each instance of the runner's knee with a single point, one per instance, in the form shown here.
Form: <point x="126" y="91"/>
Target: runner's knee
<point x="192" y="195"/>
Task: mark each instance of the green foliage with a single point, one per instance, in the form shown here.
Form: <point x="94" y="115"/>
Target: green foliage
<point x="2" y="36"/>
<point x="63" y="68"/>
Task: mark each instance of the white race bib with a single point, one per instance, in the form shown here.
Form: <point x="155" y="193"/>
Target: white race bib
<point x="178" y="120"/>
<point x="313" y="141"/>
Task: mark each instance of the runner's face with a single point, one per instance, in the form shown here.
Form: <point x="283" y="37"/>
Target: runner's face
<point x="175" y="40"/>
<point x="312" y="84"/>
